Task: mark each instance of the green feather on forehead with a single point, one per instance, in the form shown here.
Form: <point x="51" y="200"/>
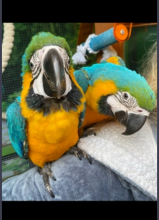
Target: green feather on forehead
<point x="40" y="40"/>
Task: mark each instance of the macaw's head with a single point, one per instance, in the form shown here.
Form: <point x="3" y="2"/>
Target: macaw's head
<point x="48" y="58"/>
<point x="124" y="94"/>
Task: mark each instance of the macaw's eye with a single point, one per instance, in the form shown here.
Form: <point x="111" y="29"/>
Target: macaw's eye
<point x="31" y="65"/>
<point x="126" y="96"/>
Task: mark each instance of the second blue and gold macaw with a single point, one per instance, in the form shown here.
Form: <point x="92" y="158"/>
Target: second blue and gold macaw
<point x="114" y="91"/>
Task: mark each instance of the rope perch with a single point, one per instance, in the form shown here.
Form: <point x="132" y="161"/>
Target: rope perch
<point x="8" y="39"/>
<point x="7" y="44"/>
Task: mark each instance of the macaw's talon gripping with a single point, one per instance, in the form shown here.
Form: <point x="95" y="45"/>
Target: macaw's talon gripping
<point x="75" y="151"/>
<point x="46" y="173"/>
<point x="89" y="131"/>
<point x="78" y="153"/>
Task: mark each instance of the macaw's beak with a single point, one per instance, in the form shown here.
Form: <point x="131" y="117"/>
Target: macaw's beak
<point x="132" y="122"/>
<point x="54" y="81"/>
<point x="132" y="118"/>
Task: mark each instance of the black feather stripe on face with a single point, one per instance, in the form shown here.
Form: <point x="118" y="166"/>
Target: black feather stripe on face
<point x="35" y="77"/>
<point x="104" y="107"/>
<point x="68" y="102"/>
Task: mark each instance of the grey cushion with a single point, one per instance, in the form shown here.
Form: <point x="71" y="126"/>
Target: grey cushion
<point x="76" y="181"/>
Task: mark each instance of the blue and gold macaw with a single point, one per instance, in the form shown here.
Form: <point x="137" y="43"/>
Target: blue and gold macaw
<point x="43" y="122"/>
<point x="114" y="91"/>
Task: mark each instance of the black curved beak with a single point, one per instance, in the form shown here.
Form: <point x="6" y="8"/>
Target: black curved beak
<point x="54" y="74"/>
<point x="132" y="122"/>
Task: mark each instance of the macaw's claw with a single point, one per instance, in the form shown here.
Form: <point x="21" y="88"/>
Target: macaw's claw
<point x="88" y="132"/>
<point x="78" y="153"/>
<point x="46" y="173"/>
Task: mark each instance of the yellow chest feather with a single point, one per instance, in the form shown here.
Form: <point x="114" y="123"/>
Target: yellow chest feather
<point x="51" y="136"/>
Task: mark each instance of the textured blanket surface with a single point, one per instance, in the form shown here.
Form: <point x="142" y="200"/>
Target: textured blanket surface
<point x="134" y="157"/>
<point x="76" y="181"/>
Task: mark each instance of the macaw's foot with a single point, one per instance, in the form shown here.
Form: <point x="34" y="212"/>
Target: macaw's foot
<point x="46" y="173"/>
<point x="89" y="131"/>
<point x="78" y="153"/>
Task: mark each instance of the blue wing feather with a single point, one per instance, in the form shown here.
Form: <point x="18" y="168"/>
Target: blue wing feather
<point x="82" y="79"/>
<point x="16" y="128"/>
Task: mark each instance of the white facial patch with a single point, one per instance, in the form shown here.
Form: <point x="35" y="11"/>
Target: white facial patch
<point x="38" y="70"/>
<point x="38" y="86"/>
<point x="123" y="101"/>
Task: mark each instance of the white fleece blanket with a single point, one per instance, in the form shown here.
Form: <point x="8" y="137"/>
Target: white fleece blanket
<point x="134" y="157"/>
